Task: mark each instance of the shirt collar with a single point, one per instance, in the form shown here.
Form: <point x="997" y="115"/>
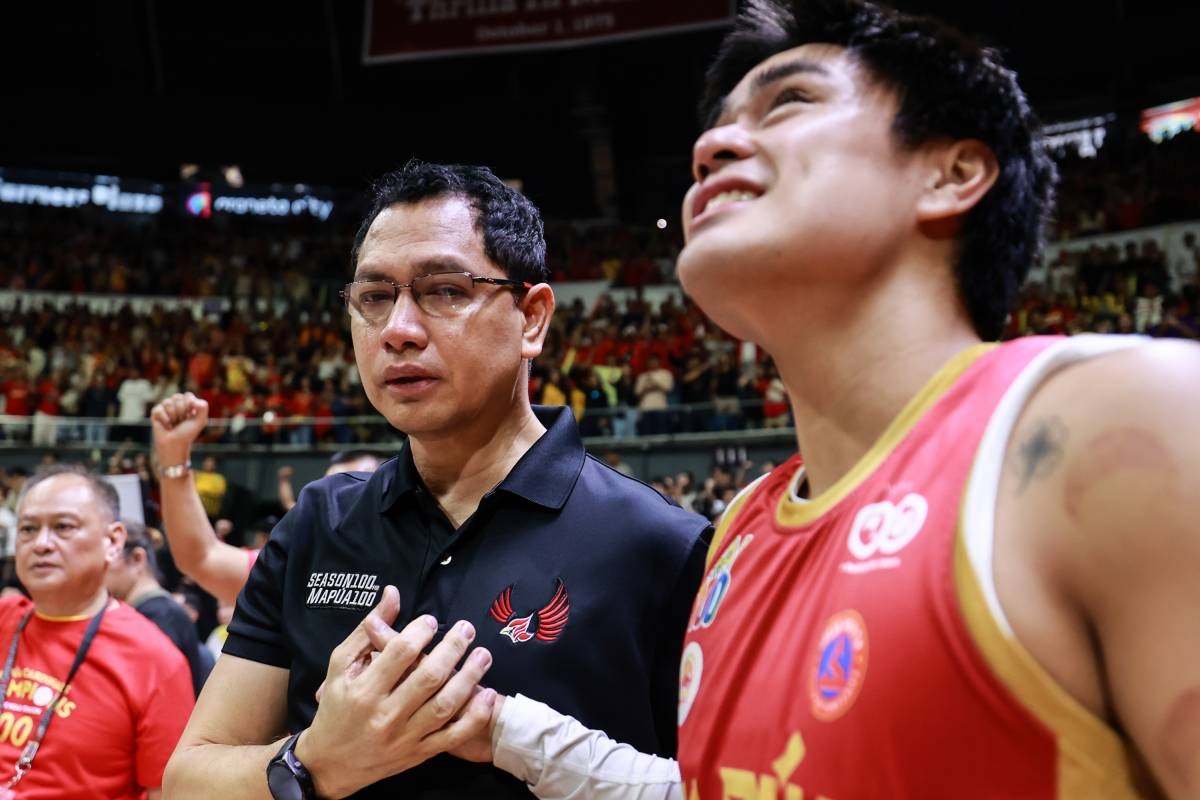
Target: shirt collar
<point x="545" y="475"/>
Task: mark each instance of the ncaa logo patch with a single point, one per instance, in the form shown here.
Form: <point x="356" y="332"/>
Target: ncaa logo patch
<point x="839" y="665"/>
<point x="691" y="668"/>
<point x="716" y="584"/>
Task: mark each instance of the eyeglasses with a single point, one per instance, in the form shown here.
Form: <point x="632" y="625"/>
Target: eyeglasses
<point x="440" y="294"/>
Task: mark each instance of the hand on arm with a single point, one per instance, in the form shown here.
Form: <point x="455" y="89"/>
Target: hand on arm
<point x="370" y="723"/>
<point x="219" y="568"/>
<point x="387" y="709"/>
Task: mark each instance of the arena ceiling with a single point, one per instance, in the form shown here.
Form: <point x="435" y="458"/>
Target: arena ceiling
<point x="135" y="87"/>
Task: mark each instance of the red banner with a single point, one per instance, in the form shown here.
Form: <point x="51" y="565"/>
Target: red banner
<point x="398" y="30"/>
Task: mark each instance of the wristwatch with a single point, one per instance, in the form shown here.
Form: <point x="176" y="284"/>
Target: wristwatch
<point x="286" y="776"/>
<point x="175" y="470"/>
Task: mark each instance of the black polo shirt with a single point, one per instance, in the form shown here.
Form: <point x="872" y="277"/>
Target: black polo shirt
<point x="578" y="579"/>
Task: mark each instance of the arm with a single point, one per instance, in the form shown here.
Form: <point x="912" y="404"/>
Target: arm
<point x="557" y="757"/>
<point x="219" y="568"/>
<point x="369" y="725"/>
<point x="1108" y="522"/>
<point x="287" y="496"/>
<point x="239" y="724"/>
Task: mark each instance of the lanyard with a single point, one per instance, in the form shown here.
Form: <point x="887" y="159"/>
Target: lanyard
<point x="25" y="762"/>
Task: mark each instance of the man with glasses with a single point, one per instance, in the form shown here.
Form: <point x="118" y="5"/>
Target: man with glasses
<point x="574" y="580"/>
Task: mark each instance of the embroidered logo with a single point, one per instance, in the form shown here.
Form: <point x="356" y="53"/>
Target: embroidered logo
<point x="546" y="624"/>
<point x="883" y="529"/>
<point x="840" y="665"/>
<point x="342" y="590"/>
<point x="716" y="584"/>
<point x="691" y="668"/>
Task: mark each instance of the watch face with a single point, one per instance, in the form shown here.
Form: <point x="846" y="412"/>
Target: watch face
<point x="282" y="783"/>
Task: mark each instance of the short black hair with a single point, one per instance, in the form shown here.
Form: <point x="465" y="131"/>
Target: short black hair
<point x="513" y="234"/>
<point x="947" y="85"/>
<point x="102" y="490"/>
<point x="136" y="538"/>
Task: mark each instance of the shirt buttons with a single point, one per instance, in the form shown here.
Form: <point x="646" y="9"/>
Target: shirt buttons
<point x="446" y="560"/>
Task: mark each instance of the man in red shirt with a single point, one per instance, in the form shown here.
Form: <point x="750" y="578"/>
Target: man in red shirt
<point x="99" y="689"/>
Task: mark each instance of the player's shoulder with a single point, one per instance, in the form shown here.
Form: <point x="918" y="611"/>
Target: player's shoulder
<point x="1150" y="383"/>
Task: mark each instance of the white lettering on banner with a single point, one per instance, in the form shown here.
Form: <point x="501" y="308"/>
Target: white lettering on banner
<point x="442" y="10"/>
<point x="520" y="30"/>
<point x="109" y="196"/>
<point x="273" y="206"/>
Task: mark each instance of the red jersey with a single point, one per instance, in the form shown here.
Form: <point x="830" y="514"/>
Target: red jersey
<point x="851" y="646"/>
<point x="120" y="718"/>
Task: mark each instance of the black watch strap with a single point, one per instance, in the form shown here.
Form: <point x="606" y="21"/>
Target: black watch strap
<point x="286" y="776"/>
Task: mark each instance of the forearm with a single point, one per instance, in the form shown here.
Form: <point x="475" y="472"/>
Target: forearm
<point x="219" y="568"/>
<point x="287" y="496"/>
<point x="188" y="530"/>
<point x="235" y="772"/>
<point x="557" y="757"/>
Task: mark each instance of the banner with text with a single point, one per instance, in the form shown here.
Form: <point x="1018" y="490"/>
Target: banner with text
<point x="400" y="30"/>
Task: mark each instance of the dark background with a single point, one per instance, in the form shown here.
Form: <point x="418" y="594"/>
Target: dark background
<point x="135" y="87"/>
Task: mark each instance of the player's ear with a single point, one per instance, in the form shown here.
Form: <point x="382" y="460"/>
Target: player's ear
<point x="958" y="175"/>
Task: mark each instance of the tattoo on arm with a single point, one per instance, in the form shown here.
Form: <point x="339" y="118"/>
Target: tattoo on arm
<point x="1039" y="451"/>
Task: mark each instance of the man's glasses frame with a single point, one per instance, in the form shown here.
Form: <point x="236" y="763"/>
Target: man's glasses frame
<point x="438" y="294"/>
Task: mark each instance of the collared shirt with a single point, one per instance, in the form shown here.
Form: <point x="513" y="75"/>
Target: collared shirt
<point x="578" y="579"/>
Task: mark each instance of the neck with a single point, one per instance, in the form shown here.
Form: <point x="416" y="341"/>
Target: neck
<point x="143" y="586"/>
<point x="855" y="356"/>
<point x="59" y="608"/>
<point x="460" y="468"/>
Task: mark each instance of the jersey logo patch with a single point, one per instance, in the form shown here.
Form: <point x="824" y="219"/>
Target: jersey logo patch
<point x="881" y="530"/>
<point x="717" y="584"/>
<point x="691" y="667"/>
<point x="839" y="665"/>
<point x="546" y="625"/>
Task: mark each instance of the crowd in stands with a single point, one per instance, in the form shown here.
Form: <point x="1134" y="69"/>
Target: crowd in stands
<point x="1129" y="183"/>
<point x="271" y="353"/>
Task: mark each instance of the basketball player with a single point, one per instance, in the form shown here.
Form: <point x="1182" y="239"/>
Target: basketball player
<point x="981" y="580"/>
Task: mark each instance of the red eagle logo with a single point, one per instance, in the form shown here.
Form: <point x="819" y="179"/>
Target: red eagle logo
<point x="546" y="624"/>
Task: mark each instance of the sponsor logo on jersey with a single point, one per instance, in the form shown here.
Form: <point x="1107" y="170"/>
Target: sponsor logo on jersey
<point x="342" y="590"/>
<point x="839" y="666"/>
<point x="691" y="668"/>
<point x="717" y="584"/>
<point x="881" y="530"/>
<point x="545" y="625"/>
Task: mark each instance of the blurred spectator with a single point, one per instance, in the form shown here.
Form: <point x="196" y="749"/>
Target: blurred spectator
<point x="211" y="486"/>
<point x="614" y="460"/>
<point x="133" y="395"/>
<point x="651" y="389"/>
<point x="134" y="579"/>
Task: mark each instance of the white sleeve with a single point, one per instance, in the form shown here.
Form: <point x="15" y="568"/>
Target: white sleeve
<point x="559" y="759"/>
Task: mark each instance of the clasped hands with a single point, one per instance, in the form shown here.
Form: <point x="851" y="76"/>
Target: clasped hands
<point x="385" y="706"/>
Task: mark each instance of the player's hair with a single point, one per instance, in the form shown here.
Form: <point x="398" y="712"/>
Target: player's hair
<point x="136" y="538"/>
<point x="106" y="496"/>
<point x="947" y="85"/>
<point x="513" y="235"/>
